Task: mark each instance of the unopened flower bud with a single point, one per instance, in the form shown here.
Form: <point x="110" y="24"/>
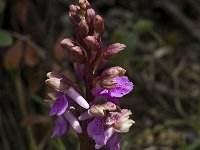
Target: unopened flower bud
<point x="82" y="29"/>
<point x="98" y="110"/>
<point x="99" y="25"/>
<point x="58" y="84"/>
<point x="84" y="4"/>
<point x="67" y="43"/>
<point x="74" y="14"/>
<point x="59" y="75"/>
<point x="113" y="50"/>
<point x="90" y="14"/>
<point x="92" y="43"/>
<point x="74" y="53"/>
<point x="113" y="72"/>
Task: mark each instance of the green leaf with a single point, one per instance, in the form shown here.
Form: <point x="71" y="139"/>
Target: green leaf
<point x="59" y="144"/>
<point x="119" y="35"/>
<point x="195" y="145"/>
<point x="143" y="25"/>
<point x="5" y="38"/>
<point x="2" y="6"/>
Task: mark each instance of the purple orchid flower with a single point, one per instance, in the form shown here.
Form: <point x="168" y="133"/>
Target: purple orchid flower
<point x="61" y="109"/>
<point x="108" y="121"/>
<point x="96" y="130"/>
<point x="122" y="87"/>
<point x="104" y="130"/>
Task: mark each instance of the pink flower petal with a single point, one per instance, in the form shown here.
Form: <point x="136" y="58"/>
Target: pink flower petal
<point x="73" y="121"/>
<point x="61" y="127"/>
<point x="113" y="142"/>
<point x="96" y="130"/>
<point x="73" y="94"/>
<point x="60" y="105"/>
<point x="84" y="116"/>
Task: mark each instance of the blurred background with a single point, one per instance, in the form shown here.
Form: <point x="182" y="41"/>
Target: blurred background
<point x="162" y="59"/>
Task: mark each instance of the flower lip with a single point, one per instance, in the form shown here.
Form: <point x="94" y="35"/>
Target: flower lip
<point x="60" y="105"/>
<point x="61" y="127"/>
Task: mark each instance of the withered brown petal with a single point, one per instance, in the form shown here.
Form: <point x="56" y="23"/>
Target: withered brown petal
<point x="33" y="120"/>
<point x="58" y="50"/>
<point x="31" y="57"/>
<point x="21" y="9"/>
<point x="13" y="56"/>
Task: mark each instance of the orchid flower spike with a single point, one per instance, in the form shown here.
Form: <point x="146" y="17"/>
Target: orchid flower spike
<point x="100" y="93"/>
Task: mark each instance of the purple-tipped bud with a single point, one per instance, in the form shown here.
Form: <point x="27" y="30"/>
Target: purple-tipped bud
<point x="113" y="50"/>
<point x="73" y="121"/>
<point x="84" y="4"/>
<point x="92" y="43"/>
<point x="73" y="94"/>
<point x="82" y="29"/>
<point x="99" y="25"/>
<point x="90" y="14"/>
<point x="84" y="116"/>
<point x="58" y="84"/>
<point x="73" y="52"/>
<point x="74" y="14"/>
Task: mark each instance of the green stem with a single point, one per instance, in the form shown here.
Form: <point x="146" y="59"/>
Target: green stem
<point x="22" y="104"/>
